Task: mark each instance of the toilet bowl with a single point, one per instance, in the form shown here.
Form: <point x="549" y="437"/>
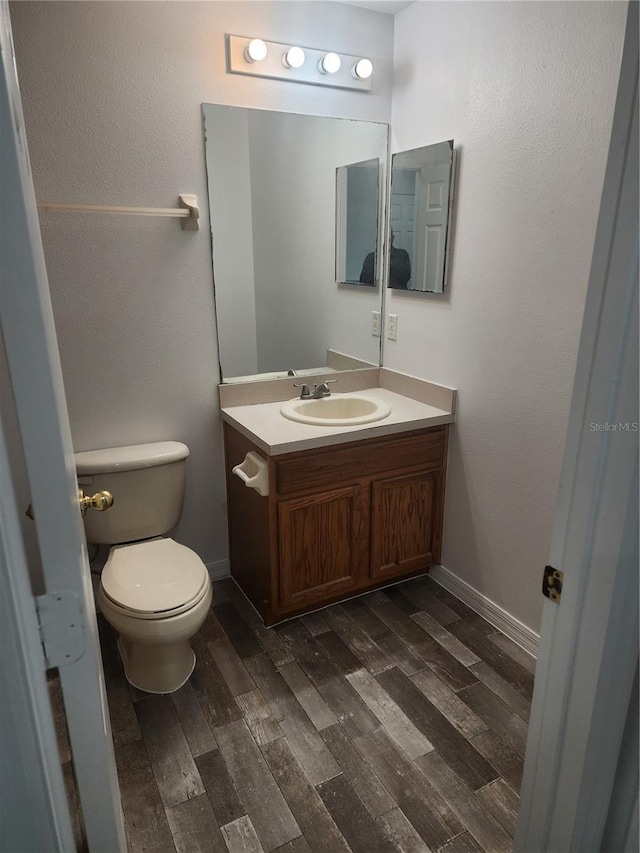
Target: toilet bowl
<point x="155" y="592"/>
<point x="156" y="595"/>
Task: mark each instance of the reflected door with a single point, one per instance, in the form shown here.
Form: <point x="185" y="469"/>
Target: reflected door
<point x="431" y="231"/>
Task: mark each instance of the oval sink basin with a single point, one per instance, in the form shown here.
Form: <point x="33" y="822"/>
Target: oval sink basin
<point x="337" y="410"/>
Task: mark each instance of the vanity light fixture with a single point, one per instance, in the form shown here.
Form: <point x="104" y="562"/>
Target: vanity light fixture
<point x="257" y="57"/>
<point x="363" y="69"/>
<point x="294" y="58"/>
<point x="329" y="64"/>
<point x="255" y="51"/>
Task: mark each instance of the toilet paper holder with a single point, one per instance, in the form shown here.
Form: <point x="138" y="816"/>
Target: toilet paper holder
<point x="254" y="472"/>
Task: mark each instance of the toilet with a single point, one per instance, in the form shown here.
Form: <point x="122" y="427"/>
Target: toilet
<point x="155" y="592"/>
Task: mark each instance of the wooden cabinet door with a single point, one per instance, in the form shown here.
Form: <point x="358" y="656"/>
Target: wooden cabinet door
<point x="323" y="545"/>
<point x="404" y="513"/>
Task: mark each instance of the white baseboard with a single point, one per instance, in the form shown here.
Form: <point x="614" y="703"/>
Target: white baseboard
<point x="489" y="610"/>
<point x="219" y="569"/>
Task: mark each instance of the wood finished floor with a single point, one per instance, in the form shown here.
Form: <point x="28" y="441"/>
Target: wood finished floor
<point x="393" y="722"/>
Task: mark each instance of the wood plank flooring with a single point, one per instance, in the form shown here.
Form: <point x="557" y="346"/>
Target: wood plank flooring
<point x="393" y="722"/>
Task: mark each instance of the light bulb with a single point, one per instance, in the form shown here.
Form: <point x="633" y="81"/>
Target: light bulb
<point x="363" y="69"/>
<point x="255" y="51"/>
<point x="294" y="57"/>
<point x="329" y="64"/>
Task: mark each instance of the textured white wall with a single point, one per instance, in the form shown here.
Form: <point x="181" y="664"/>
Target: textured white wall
<point x="112" y="95"/>
<point x="527" y="92"/>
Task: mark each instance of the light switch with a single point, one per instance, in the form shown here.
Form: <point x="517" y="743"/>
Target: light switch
<point x="375" y="324"/>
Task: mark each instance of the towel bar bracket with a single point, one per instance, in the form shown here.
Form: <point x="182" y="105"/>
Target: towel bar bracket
<point x="190" y="202"/>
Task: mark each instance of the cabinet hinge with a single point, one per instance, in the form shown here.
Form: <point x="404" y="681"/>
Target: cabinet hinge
<point x="61" y="627"/>
<point x="552" y="581"/>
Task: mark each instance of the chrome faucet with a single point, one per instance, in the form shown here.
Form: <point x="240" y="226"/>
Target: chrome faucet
<point x="322" y="390"/>
<point x="319" y="391"/>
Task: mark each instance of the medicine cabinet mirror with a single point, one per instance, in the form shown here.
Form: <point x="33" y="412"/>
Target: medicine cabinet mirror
<point x="273" y="201"/>
<point x="358" y="215"/>
<point x="420" y="208"/>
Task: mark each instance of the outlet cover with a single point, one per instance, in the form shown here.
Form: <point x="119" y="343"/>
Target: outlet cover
<point x="392" y="327"/>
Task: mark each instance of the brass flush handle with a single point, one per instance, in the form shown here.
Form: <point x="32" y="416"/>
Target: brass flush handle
<point x="99" y="501"/>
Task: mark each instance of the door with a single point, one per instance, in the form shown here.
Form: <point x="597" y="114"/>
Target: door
<point x="403" y="520"/>
<point x="29" y="336"/>
<point x="33" y="809"/>
<point x="579" y="784"/>
<point x="322" y="540"/>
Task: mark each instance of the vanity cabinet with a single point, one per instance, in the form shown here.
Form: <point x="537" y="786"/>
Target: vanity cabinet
<point x="338" y="520"/>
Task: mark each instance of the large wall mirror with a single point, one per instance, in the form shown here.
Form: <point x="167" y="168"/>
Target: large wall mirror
<point x="274" y="208"/>
<point x="420" y="206"/>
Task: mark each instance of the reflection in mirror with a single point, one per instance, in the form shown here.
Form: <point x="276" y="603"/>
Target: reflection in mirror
<point x="357" y="198"/>
<point x="272" y="199"/>
<point x="421" y="186"/>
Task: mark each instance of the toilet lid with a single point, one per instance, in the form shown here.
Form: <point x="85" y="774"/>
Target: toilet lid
<point x="154" y="576"/>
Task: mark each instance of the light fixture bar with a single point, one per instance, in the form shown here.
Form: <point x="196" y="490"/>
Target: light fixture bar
<point x="275" y="67"/>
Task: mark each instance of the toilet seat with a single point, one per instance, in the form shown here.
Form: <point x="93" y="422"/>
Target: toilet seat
<point x="156" y="579"/>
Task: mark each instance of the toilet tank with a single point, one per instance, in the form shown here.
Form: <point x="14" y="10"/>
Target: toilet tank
<point x="147" y="484"/>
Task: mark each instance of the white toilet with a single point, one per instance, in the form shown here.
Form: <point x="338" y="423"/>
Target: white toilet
<point x="155" y="592"/>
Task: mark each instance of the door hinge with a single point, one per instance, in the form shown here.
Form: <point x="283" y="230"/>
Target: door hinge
<point x="552" y="581"/>
<point x="61" y="627"/>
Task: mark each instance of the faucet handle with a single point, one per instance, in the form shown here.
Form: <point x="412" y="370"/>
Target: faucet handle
<point x="330" y="381"/>
<point x="305" y="390"/>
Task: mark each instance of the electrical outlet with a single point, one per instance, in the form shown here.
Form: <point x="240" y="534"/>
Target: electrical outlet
<point x="392" y="327"/>
<point x="375" y="324"/>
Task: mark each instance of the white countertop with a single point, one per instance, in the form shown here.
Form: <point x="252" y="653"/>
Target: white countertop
<point x="272" y="432"/>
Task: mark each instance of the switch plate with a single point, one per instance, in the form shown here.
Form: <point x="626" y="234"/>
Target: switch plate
<point x="375" y="324"/>
<point x="392" y="327"/>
